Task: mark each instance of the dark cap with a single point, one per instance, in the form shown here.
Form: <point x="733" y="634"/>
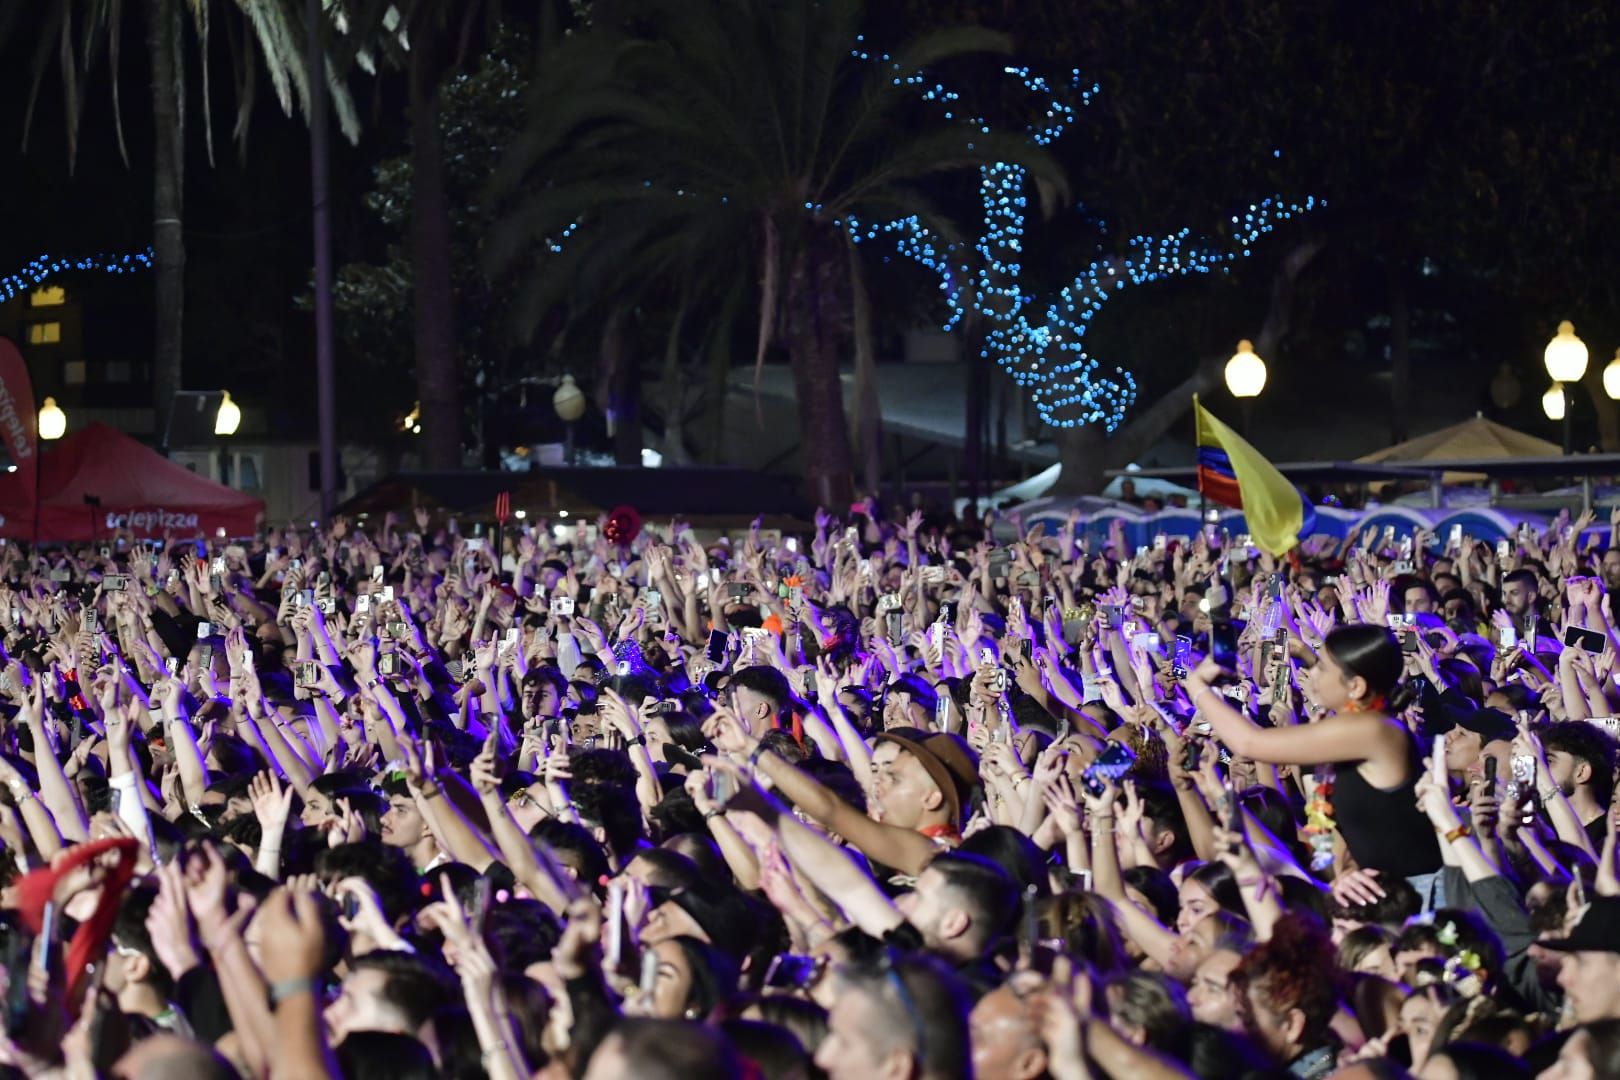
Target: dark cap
<point x="1491" y="725"/>
<point x="1598" y="930"/>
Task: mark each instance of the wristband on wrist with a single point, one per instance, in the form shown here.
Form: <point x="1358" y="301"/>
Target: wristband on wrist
<point x="759" y="751"/>
<point x="288" y="988"/>
<point x="1458" y="833"/>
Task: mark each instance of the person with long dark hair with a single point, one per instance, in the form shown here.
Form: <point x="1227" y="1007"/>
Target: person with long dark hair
<point x="1356" y="683"/>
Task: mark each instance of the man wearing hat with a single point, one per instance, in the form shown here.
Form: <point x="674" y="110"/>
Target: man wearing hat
<point x="1589" y="973"/>
<point x="919" y="796"/>
<point x="1472" y="733"/>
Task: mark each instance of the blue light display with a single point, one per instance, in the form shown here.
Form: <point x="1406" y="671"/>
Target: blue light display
<point x="44" y="267"/>
<point x="1041" y="342"/>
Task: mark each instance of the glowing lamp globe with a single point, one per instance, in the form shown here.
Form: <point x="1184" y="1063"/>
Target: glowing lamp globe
<point x="1552" y="402"/>
<point x="52" y="420"/>
<point x="228" y="418"/>
<point x="1245" y="372"/>
<point x="569" y="401"/>
<point x="1566" y="355"/>
<point x="1611" y="377"/>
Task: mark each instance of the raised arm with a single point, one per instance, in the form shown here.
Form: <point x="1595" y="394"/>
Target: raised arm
<point x="904" y="849"/>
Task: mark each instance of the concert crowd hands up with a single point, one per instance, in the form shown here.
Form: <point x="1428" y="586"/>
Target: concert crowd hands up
<point x="901" y="796"/>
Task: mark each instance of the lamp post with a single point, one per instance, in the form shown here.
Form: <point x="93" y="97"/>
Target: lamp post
<point x="1565" y="357"/>
<point x="52" y="425"/>
<point x="1245" y="378"/>
<point x="569" y="401"/>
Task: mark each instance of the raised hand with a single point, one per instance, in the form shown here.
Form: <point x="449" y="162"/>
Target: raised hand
<point x="272" y="803"/>
<point x="292" y="920"/>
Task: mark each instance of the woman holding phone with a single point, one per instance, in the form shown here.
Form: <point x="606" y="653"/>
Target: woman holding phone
<point x="1356" y="682"/>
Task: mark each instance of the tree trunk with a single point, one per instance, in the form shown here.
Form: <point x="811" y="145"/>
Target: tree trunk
<point x="1080" y="451"/>
<point x="868" y="406"/>
<point x="823" y="432"/>
<point x="978" y="388"/>
<point x="1400" y="350"/>
<point x="168" y="204"/>
<point x="719" y="378"/>
<point x="1604" y="408"/>
<point x="430" y="265"/>
<point x="321" y="220"/>
<point x="674" y="394"/>
<point x="624" y="399"/>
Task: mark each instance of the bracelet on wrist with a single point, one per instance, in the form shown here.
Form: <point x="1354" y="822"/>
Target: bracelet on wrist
<point x="289" y="988"/>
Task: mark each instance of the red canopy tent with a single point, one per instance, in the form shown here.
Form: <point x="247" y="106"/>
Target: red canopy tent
<point x="99" y="480"/>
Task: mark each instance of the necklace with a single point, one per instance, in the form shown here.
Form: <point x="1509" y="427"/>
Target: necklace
<point x="1319" y="824"/>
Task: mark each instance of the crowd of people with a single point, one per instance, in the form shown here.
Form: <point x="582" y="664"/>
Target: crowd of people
<point x="401" y="798"/>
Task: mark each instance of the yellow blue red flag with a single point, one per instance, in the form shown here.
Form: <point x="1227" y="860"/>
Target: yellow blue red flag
<point x="1232" y="472"/>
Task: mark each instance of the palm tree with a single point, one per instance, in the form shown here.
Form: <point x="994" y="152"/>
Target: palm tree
<point x="731" y="145"/>
<point x="428" y="40"/>
<point x="74" y="36"/>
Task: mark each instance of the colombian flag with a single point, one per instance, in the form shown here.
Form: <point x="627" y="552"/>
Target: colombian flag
<point x="1231" y="471"/>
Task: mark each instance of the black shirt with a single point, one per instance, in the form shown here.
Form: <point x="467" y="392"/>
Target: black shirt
<point x="1382" y="827"/>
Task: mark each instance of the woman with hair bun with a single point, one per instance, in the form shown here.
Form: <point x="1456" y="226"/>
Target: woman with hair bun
<point x="1356" y="683"/>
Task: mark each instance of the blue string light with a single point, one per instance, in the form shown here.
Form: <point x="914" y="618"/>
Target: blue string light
<point x="44" y="267"/>
<point x="1043" y="346"/>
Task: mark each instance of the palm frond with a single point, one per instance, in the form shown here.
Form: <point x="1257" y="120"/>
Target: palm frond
<point x="826" y="65"/>
<point x="200" y="22"/>
<point x="950" y="43"/>
<point x="70" y="85"/>
<point x="115" y="34"/>
<point x="282" y="61"/>
<point x="48" y="34"/>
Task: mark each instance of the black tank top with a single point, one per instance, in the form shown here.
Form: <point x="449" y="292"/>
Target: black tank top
<point x="1383" y="827"/>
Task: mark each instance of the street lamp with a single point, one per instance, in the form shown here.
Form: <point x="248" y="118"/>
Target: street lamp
<point x="1566" y="355"/>
<point x="52" y="420"/>
<point x="1245" y="372"/>
<point x="1566" y="358"/>
<point x="569" y="401"/>
<point x="1553" y="404"/>
<point x="229" y="416"/>
<point x="1245" y="377"/>
<point x="1611" y="377"/>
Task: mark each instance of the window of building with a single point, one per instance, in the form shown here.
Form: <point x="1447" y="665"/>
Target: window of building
<point x="117" y="371"/>
<point x="44" y="333"/>
<point x="73" y="372"/>
<point x="243" y="471"/>
<point x="48" y="296"/>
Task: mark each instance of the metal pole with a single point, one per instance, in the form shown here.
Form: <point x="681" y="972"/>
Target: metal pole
<point x="1569" y="406"/>
<point x="325" y="384"/>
